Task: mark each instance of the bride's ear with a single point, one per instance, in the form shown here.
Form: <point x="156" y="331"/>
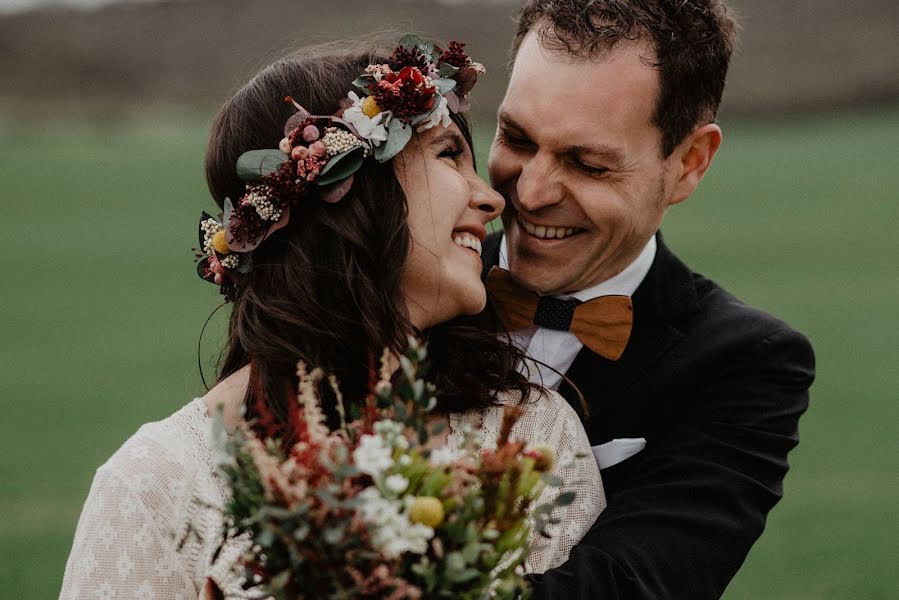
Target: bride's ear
<point x="692" y="158"/>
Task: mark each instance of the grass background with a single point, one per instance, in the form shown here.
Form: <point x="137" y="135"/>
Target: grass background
<point x="102" y="309"/>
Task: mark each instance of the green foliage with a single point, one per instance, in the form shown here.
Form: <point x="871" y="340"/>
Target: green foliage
<point x="256" y="164"/>
<point x="341" y="166"/>
<point x="398" y="134"/>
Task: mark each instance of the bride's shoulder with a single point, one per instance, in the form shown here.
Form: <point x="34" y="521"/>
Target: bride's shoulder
<point x="538" y="401"/>
<point x="542" y="409"/>
<point x="170" y="447"/>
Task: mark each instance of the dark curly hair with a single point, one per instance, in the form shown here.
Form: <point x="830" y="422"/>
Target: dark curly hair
<point x="326" y="289"/>
<point x="693" y="41"/>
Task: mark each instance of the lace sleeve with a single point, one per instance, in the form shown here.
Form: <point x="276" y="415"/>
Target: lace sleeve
<point x="558" y="426"/>
<point x="118" y="551"/>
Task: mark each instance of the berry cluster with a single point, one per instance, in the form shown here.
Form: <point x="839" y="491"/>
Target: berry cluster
<point x="246" y="223"/>
<point x="455" y="55"/>
<point x="408" y="57"/>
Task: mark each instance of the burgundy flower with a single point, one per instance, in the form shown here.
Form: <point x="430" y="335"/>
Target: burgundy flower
<point x="406" y="57"/>
<point x="455" y="55"/>
<point x="406" y="93"/>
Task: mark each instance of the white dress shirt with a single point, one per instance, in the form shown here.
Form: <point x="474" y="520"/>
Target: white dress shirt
<point x="559" y="348"/>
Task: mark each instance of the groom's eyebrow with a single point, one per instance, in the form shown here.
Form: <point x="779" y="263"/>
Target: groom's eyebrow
<point x="613" y="156"/>
<point x="608" y="154"/>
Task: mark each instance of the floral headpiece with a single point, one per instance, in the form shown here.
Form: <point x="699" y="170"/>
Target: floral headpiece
<point x="418" y="87"/>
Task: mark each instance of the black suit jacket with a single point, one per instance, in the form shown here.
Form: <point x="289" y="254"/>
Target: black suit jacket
<point x="716" y="388"/>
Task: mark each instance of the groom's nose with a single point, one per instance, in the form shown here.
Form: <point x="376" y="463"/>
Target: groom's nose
<point x="538" y="184"/>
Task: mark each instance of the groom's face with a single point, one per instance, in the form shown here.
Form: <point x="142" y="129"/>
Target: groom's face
<point x="579" y="162"/>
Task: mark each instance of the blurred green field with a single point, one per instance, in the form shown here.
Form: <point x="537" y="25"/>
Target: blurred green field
<point x="102" y="309"/>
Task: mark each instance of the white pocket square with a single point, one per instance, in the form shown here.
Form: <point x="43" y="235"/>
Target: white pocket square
<point x="612" y="453"/>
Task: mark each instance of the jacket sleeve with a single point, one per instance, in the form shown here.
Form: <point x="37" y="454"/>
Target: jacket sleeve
<point x="685" y="511"/>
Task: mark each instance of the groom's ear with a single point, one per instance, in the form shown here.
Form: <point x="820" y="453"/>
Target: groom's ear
<point x="691" y="159"/>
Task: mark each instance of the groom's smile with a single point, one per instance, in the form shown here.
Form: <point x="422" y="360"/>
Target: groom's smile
<point x="547" y="232"/>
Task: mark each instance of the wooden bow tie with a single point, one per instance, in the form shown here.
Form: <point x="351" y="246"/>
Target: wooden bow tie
<point x="602" y="324"/>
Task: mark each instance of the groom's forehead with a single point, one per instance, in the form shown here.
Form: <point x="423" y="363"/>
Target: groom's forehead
<point x="573" y="98"/>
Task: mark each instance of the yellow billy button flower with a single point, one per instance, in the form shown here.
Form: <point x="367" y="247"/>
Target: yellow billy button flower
<point x="220" y="242"/>
<point x="370" y="107"/>
<point x="426" y="510"/>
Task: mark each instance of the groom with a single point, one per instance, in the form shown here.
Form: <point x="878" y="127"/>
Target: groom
<point x="609" y="120"/>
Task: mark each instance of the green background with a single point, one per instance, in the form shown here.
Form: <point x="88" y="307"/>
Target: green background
<point x="102" y="310"/>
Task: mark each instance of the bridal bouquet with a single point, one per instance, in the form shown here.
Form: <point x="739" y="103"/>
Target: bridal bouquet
<point x="377" y="509"/>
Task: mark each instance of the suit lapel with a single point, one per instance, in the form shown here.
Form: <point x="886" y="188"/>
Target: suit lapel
<point x="490" y="253"/>
<point x="666" y="293"/>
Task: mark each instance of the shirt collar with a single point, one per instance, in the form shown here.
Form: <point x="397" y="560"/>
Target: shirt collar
<point x="624" y="283"/>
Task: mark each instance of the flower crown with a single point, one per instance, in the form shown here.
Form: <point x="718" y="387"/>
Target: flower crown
<point x="418" y="87"/>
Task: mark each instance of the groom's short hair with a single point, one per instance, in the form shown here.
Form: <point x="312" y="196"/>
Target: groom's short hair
<point x="693" y="42"/>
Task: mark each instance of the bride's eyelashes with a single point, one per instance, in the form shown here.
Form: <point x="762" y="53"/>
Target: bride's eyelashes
<point x="454" y="151"/>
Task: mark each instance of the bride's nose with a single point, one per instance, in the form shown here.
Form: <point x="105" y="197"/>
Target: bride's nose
<point x="487" y="201"/>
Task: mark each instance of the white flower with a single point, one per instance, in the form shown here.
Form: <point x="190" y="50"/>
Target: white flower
<point x="392" y="433"/>
<point x="393" y="532"/>
<point x="439" y="116"/>
<point x="369" y="128"/>
<point x="373" y="456"/>
<point x="396" y="483"/>
<point x="388" y="429"/>
<point x="442" y="456"/>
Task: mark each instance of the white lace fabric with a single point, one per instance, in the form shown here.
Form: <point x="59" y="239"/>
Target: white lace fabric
<point x="549" y="420"/>
<point x="150" y="526"/>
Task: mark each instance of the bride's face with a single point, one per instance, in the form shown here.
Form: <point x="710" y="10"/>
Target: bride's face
<point x="449" y="208"/>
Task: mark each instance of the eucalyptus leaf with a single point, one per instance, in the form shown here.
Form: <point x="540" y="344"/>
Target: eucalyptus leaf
<point x="422" y="117"/>
<point x="362" y="82"/>
<point x="410" y="41"/>
<point x="256" y="164"/>
<point x="280" y="580"/>
<point x="447" y="70"/>
<point x="444" y="85"/>
<point x="463" y="576"/>
<point x="341" y="166"/>
<point x="471" y="552"/>
<point x="329" y="499"/>
<point x="332" y="535"/>
<point x="245" y="263"/>
<point x="398" y="135"/>
<point x="265" y="538"/>
<point x="426" y="47"/>
<point x="552" y="480"/>
<point x="228" y="209"/>
<point x="564" y="499"/>
<point x="454" y="562"/>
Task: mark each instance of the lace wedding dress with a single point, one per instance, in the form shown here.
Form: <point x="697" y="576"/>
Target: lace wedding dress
<point x="149" y="528"/>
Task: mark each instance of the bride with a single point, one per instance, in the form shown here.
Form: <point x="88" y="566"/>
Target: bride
<point x="340" y="273"/>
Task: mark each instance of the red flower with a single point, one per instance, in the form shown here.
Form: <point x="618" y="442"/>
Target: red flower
<point x="406" y="93"/>
<point x="412" y="74"/>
